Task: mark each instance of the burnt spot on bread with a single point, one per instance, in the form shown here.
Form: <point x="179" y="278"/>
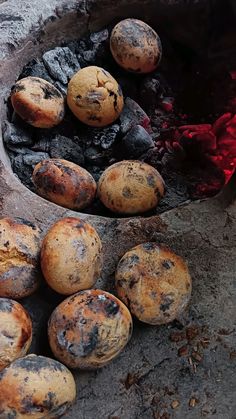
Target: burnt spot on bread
<point x="6" y="305"/>
<point x="34" y="363"/>
<point x="90" y="342"/>
<point x="46" y="183"/>
<point x="50" y="92"/>
<point x="133" y="281"/>
<point x="25" y="336"/>
<point x="19" y="87"/>
<point x="111" y="307"/>
<point x="115" y="103"/>
<point x="127" y="193"/>
<point x="151" y="181"/>
<point x="95" y="118"/>
<point x="166" y="302"/>
<point x="168" y="264"/>
<point x="150" y="246"/>
<point x="19" y="281"/>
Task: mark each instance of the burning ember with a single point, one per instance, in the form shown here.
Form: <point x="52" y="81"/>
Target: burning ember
<point x="195" y="160"/>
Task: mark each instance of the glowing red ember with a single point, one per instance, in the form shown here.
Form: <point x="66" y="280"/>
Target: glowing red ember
<point x="217" y="141"/>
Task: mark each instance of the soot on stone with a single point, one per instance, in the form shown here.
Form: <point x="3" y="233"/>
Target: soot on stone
<point x="163" y="122"/>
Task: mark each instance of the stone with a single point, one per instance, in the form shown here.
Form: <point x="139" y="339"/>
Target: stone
<point x="136" y="142"/>
<point x="65" y="148"/>
<point x="61" y="64"/>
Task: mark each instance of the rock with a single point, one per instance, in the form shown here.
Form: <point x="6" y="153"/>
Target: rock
<point x="61" y="63"/>
<point x="15" y="135"/>
<point x="65" y="148"/>
<point x="136" y="142"/>
<point x="133" y="115"/>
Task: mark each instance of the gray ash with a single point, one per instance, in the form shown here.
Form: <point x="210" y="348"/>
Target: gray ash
<point x="144" y="131"/>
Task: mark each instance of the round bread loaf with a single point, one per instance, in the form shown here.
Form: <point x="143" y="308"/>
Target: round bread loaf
<point x="130" y="187"/>
<point x="89" y="329"/>
<point x="36" y="387"/>
<point x="71" y="256"/>
<point x="19" y="257"/>
<point x="154" y="283"/>
<point x="135" y="46"/>
<point x="15" y="331"/>
<point x="95" y="97"/>
<point x="38" y="102"/>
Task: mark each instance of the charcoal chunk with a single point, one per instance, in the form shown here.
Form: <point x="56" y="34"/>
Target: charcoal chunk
<point x="61" y="63"/>
<point x="136" y="142"/>
<point x="106" y="137"/>
<point x="36" y="69"/>
<point x="133" y="115"/>
<point x="150" y="91"/>
<point x="65" y="148"/>
<point x="15" y="135"/>
<point x="34" y="158"/>
<point x="94" y="156"/>
<point x="98" y="37"/>
<point x="23" y="171"/>
<point x="96" y="48"/>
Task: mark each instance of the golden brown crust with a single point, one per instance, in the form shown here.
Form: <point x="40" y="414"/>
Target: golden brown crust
<point x="71" y="256"/>
<point x="135" y="46"/>
<point x="95" y="97"/>
<point x="130" y="187"/>
<point x="154" y="283"/>
<point x="64" y="183"/>
<point x="36" y="387"/>
<point x="19" y="257"/>
<point x="38" y="102"/>
<point x="15" y="331"/>
<point x="89" y="329"/>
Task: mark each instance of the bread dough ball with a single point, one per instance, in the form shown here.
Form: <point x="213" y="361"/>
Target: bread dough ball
<point x="130" y="187"/>
<point x="71" y="256"/>
<point x="36" y="387"/>
<point x="64" y="183"/>
<point x="19" y="257"/>
<point x="154" y="283"/>
<point x="135" y="46"/>
<point x="38" y="102"/>
<point x="95" y="97"/>
<point x="15" y="331"/>
<point x="89" y="329"/>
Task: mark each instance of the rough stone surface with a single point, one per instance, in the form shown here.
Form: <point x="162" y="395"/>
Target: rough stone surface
<point x="192" y="360"/>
